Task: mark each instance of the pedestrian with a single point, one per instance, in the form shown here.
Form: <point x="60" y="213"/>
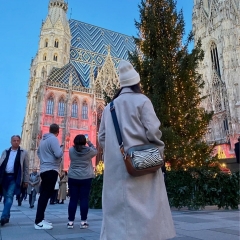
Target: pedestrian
<point x="53" y="198"/>
<point x="237" y="150"/>
<point x="14" y="174"/>
<point x="133" y="207"/>
<point x="50" y="154"/>
<point x="62" y="193"/>
<point x="33" y="187"/>
<point x="80" y="175"/>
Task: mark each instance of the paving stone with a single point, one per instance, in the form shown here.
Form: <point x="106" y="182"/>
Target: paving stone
<point x="209" y="224"/>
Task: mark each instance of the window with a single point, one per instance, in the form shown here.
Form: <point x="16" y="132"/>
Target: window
<point x="74" y="110"/>
<point x="61" y="108"/>
<point x="44" y="57"/>
<point x="50" y="106"/>
<point x="85" y="110"/>
<point x="56" y="43"/>
<point x="214" y="57"/>
<point x="46" y="43"/>
<point x="65" y="47"/>
<point x="55" y="57"/>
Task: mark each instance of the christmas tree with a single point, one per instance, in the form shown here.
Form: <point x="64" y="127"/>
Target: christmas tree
<point x="170" y="79"/>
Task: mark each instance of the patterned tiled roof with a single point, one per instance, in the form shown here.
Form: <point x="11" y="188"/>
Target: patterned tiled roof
<point x="90" y="46"/>
<point x="61" y="75"/>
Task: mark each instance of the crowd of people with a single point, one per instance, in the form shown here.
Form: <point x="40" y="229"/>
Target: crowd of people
<point x="51" y="186"/>
<point x="133" y="207"/>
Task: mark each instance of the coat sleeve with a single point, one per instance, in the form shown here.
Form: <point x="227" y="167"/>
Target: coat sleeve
<point x="151" y="125"/>
<point x="26" y="168"/>
<point x="101" y="132"/>
<point x="3" y="156"/>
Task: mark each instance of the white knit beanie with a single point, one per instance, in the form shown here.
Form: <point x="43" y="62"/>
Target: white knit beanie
<point x="127" y="74"/>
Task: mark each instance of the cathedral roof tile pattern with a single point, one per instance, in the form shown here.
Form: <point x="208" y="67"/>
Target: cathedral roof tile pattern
<point x="89" y="48"/>
<point x="62" y="75"/>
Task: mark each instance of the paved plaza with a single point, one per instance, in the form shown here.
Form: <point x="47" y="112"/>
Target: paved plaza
<point x="210" y="224"/>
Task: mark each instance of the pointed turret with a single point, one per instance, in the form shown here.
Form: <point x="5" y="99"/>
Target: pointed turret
<point x="55" y="38"/>
<point x="57" y="9"/>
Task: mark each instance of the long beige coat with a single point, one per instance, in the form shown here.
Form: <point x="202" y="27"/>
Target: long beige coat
<point x="134" y="208"/>
<point x="62" y="192"/>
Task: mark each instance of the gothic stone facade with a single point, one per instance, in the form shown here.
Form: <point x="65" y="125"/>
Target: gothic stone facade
<point x="75" y="64"/>
<point x="217" y="24"/>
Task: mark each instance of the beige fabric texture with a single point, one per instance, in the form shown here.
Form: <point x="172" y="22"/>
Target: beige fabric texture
<point x="133" y="207"/>
<point x="62" y="192"/>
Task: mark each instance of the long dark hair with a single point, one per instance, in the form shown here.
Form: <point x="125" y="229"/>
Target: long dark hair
<point x="79" y="141"/>
<point x="135" y="88"/>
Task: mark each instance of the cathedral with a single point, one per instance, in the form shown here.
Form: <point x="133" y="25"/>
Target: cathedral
<point x="217" y="24"/>
<point x="75" y="65"/>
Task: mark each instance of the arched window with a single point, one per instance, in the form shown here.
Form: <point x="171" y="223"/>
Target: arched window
<point x="214" y="57"/>
<point x="56" y="43"/>
<point x="46" y="43"/>
<point x="61" y="108"/>
<point x="50" y="106"/>
<point x="74" y="113"/>
<point x="65" y="47"/>
<point x="44" y="57"/>
<point x="55" y="57"/>
<point x="84" y="110"/>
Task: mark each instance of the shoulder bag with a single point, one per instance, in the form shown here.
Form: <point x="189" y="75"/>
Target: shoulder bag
<point x="141" y="159"/>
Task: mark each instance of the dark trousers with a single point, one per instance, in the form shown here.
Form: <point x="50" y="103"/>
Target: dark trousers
<point x="53" y="198"/>
<point x="79" y="190"/>
<point x="21" y="195"/>
<point x="49" y="179"/>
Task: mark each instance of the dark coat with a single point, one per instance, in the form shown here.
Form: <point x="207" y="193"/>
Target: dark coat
<point x="237" y="151"/>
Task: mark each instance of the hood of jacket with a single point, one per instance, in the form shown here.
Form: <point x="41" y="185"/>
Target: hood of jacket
<point x="85" y="150"/>
<point x="48" y="135"/>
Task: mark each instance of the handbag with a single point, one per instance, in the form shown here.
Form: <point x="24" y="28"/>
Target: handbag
<point x="140" y="159"/>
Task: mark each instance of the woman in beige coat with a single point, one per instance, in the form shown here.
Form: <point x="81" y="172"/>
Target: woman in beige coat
<point x="133" y="207"/>
<point x="62" y="192"/>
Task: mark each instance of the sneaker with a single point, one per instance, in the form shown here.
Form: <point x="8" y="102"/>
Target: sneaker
<point x="70" y="225"/>
<point x="42" y="225"/>
<point x="4" y="221"/>
<point x="47" y="222"/>
<point x="84" y="224"/>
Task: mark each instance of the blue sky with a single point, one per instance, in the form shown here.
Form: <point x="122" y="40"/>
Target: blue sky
<point x="20" y="22"/>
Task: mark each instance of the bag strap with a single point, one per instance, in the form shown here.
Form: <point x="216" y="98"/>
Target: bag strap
<point x="117" y="129"/>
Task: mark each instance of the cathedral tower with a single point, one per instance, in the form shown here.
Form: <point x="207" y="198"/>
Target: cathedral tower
<point x="75" y="65"/>
<point x="53" y="51"/>
<point x="217" y="24"/>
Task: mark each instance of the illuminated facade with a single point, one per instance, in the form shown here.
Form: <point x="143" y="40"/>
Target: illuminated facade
<point x="75" y="64"/>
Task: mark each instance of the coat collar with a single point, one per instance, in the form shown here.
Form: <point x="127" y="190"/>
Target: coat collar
<point x="126" y="90"/>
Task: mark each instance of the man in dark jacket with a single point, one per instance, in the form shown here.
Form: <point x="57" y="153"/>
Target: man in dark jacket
<point x="237" y="149"/>
<point x="50" y="154"/>
<point x="14" y="174"/>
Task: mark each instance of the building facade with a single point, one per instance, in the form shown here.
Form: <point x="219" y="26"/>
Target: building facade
<point x="217" y="24"/>
<point x="75" y="65"/>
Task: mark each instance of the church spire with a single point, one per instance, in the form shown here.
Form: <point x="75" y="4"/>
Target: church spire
<point x="57" y="9"/>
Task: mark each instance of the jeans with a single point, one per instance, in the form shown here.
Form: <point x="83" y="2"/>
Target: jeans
<point x="32" y="197"/>
<point x="79" y="190"/>
<point x="9" y="185"/>
<point x="49" y="179"/>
